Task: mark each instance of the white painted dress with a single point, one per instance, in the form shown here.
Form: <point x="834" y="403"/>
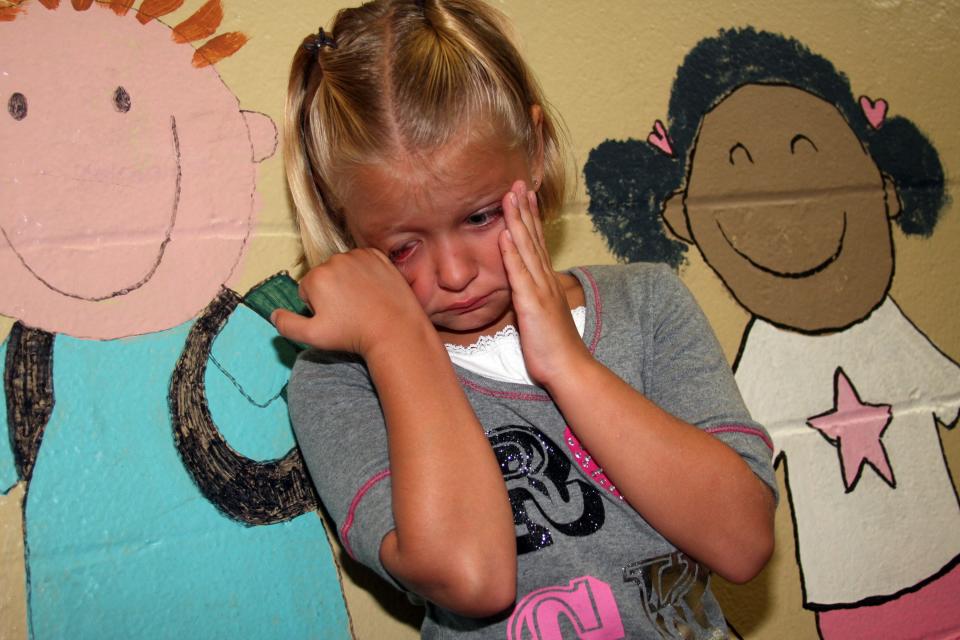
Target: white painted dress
<point x="854" y="415"/>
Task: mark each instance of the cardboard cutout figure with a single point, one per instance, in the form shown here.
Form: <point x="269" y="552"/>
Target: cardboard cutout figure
<point x="787" y="186"/>
<point x="126" y="204"/>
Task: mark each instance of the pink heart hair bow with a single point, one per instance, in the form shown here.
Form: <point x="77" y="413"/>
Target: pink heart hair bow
<point x="874" y="110"/>
<point x="660" y="139"/>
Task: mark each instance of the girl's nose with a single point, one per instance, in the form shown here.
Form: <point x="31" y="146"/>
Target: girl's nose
<point x="455" y="265"/>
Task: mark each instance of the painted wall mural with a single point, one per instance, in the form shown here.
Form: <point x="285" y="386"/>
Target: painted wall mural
<point x="144" y="399"/>
<point x="787" y="183"/>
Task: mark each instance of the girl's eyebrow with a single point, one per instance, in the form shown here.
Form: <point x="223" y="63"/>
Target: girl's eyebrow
<point x="491" y="206"/>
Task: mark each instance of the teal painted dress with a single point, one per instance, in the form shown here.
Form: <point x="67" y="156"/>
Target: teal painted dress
<point x="120" y="542"/>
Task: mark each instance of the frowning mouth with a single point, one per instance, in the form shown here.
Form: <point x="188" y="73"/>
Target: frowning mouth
<point x="806" y="273"/>
<point x="467" y="305"/>
<point x="160" y="251"/>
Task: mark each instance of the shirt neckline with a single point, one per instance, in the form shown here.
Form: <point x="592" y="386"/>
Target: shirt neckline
<point x="516" y="390"/>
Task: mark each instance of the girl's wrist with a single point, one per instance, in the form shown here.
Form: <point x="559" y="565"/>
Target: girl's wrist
<point x="568" y="369"/>
<point x="405" y="340"/>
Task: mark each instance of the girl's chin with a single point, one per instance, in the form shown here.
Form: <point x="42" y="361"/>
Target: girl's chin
<point x="467" y="328"/>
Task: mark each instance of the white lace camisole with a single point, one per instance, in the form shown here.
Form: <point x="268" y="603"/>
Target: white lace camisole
<point x="499" y="356"/>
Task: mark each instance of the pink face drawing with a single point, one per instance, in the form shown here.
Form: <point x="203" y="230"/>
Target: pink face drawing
<point x="127" y="178"/>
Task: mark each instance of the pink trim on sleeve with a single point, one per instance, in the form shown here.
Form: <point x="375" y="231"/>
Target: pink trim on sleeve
<point x="348" y="522"/>
<point x="739" y="428"/>
<point x="598" y="309"/>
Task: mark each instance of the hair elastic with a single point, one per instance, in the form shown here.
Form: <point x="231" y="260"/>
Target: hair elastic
<point x="319" y="40"/>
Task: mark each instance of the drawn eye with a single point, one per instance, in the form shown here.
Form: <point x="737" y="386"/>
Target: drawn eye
<point x="738" y="151"/>
<point x="17" y="106"/>
<point x="797" y="139"/>
<point x="121" y="100"/>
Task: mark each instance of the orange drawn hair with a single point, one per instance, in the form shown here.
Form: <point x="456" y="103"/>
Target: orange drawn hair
<point x="9" y="14"/>
<point x="120" y="7"/>
<point x="216" y="49"/>
<point x="150" y="9"/>
<point x="202" y="23"/>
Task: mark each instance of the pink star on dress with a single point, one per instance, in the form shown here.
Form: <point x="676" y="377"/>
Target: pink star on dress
<point x="855" y="428"/>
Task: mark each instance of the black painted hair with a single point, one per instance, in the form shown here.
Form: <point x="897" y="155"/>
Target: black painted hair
<point x="628" y="181"/>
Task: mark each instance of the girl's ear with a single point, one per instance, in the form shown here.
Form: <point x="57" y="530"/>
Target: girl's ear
<point x="675" y="215"/>
<point x="892" y="197"/>
<point x="536" y="162"/>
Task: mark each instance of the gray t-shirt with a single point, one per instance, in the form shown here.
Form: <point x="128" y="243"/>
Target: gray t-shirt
<point x="588" y="564"/>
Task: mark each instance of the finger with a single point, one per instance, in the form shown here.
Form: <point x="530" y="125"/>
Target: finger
<point x="531" y="219"/>
<point x="521" y="281"/>
<point x="294" y="326"/>
<point x="538" y="221"/>
<point x="302" y="294"/>
<point x="521" y="238"/>
<point x="523" y="204"/>
<point x="537" y="230"/>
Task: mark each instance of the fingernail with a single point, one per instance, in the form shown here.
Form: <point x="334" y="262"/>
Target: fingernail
<point x="273" y="317"/>
<point x="513" y="199"/>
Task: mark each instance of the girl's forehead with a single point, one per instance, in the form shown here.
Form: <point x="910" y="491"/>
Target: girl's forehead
<point x="458" y="178"/>
<point x="463" y="163"/>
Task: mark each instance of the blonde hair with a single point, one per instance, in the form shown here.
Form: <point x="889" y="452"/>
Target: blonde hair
<point x="399" y="75"/>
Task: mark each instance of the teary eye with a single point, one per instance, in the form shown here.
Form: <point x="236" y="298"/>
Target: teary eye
<point x="739" y="150"/>
<point x="801" y="138"/>
<point x="484" y="217"/>
<point x="17" y="106"/>
<point x="398" y="255"/>
<point x="121" y="100"/>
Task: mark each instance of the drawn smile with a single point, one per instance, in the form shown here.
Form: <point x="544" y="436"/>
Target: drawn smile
<point x="156" y="262"/>
<point x="790" y="274"/>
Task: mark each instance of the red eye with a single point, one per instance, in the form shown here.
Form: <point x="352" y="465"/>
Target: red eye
<point x="401" y="253"/>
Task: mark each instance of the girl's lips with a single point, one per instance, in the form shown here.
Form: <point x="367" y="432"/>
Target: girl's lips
<point x="467" y="305"/>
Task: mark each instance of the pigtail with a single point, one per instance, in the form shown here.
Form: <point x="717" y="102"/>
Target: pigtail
<point x="628" y="182"/>
<point x="320" y="234"/>
<point x="904" y="153"/>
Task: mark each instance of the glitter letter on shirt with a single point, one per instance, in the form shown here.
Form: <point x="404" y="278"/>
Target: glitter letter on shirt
<point x="587" y="604"/>
<point x="538" y="477"/>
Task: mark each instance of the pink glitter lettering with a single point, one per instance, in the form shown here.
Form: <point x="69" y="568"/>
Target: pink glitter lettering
<point x="587" y="603"/>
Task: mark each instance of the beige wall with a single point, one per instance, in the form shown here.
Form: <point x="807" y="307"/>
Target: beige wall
<point x="607" y="67"/>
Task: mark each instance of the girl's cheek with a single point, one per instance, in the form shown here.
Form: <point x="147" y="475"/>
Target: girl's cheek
<point x="420" y="289"/>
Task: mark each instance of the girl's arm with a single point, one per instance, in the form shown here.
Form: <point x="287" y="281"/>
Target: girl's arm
<point x="454" y="541"/>
<point x="694" y="489"/>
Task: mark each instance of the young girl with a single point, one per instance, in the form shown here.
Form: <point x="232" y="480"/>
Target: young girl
<point x="463" y="395"/>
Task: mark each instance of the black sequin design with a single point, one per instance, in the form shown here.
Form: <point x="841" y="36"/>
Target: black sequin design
<point x="544" y="498"/>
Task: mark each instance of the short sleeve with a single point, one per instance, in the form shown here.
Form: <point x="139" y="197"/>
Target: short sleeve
<point x="340" y="428"/>
<point x="687" y="374"/>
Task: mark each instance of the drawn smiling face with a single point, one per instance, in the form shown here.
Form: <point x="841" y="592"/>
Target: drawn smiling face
<point x="127" y="179"/>
<point x="789" y="209"/>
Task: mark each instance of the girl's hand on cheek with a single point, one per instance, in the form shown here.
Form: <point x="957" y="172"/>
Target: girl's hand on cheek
<point x="548" y="335"/>
<point x="359" y="300"/>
